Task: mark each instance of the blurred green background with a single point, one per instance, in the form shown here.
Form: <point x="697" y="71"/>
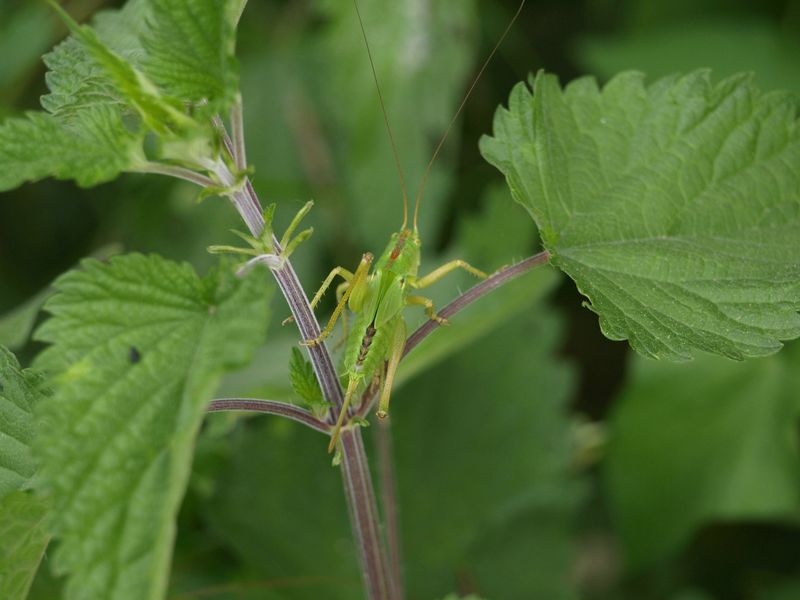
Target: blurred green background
<point x="535" y="458"/>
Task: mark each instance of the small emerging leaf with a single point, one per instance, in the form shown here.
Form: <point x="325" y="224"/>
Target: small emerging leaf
<point x="674" y="207"/>
<point x="304" y="381"/>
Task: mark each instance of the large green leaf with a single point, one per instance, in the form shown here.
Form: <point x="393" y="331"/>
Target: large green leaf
<point x="709" y="440"/>
<point x="190" y="49"/>
<point x="21" y="514"/>
<point x="674" y="207"/>
<point x="483" y="474"/>
<point x="138" y="345"/>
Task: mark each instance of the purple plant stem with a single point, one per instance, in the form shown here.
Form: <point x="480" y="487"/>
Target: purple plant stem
<point x="363" y="510"/>
<point x="282" y="409"/>
<point x="388" y="481"/>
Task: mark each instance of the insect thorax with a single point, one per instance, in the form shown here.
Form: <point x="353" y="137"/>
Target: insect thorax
<point x="402" y="254"/>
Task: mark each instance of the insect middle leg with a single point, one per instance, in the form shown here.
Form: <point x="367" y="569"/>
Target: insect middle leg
<point x="445" y="270"/>
<point x="429" y="310"/>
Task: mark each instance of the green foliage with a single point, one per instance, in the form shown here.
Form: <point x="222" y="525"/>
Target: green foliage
<point x="712" y="440"/>
<point x="93" y="151"/>
<point x="138" y="346"/>
<point x="25" y="537"/>
<point x="21" y="514"/>
<point x="190" y="49"/>
<point x="19" y="392"/>
<point x="112" y="85"/>
<point x="495" y="501"/>
<point x="674" y="207"/>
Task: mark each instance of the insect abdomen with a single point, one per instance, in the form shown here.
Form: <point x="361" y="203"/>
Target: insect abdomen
<point x="365" y="352"/>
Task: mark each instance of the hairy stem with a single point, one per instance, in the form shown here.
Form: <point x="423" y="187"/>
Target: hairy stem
<point x="174" y="171"/>
<point x="282" y="409"/>
<point x="237" y="133"/>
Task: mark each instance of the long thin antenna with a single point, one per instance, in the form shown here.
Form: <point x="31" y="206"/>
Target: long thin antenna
<point x="385" y="118"/>
<point x="458" y="112"/>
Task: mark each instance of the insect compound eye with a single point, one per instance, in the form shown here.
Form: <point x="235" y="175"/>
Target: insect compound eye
<point x="134" y="356"/>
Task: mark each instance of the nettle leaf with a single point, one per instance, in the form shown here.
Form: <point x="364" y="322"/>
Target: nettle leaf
<point x="701" y="442"/>
<point x="83" y="134"/>
<point x="161" y="114"/>
<point x="674" y="207"/>
<point x="190" y="49"/>
<point x="94" y="150"/>
<point x="21" y="514"/>
<point x="138" y="345"/>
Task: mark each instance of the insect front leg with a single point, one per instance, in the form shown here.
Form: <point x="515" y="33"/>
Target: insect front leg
<point x="340" y="291"/>
<point x="357" y="282"/>
<point x="341" y="272"/>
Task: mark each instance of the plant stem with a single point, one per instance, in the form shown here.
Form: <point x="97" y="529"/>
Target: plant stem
<point x="174" y="171"/>
<point x="237" y="126"/>
<point x="363" y="510"/>
<point x="389" y="502"/>
<point x="282" y="409"/>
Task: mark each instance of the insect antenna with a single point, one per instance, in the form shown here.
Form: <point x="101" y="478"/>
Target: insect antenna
<point x="385" y="117"/>
<point x="472" y="86"/>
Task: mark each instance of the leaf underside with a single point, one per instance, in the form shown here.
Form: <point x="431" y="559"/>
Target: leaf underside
<point x="674" y="207"/>
<point x="138" y="345"/>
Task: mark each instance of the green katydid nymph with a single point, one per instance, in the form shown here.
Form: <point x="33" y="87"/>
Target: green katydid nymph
<point x="378" y="293"/>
